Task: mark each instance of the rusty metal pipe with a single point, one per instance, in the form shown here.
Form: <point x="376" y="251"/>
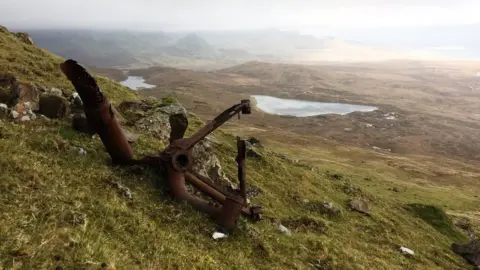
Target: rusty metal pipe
<point x="241" y="156"/>
<point x="188" y="143"/>
<point x="179" y="191"/>
<point x="204" y="187"/>
<point x="99" y="112"/>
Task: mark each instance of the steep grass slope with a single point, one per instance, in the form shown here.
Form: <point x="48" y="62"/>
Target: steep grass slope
<point x="32" y="64"/>
<point x="61" y="208"/>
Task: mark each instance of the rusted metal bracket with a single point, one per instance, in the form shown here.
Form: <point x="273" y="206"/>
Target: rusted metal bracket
<point x="176" y="158"/>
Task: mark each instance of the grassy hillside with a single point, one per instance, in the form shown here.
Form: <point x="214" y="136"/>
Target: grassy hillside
<point x="61" y="208"/>
<point x="32" y="64"/>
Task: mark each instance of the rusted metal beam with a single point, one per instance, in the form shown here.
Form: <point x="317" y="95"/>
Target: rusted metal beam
<point x="176" y="157"/>
<point x="99" y="112"/>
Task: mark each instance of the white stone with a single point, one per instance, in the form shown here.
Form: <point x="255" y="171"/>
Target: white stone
<point x="25" y="118"/>
<point x="14" y="114"/>
<point x="81" y="151"/>
<point x="284" y="229"/>
<point x="3" y="106"/>
<point x="27" y="106"/>
<point x="407" y="251"/>
<point x="56" y="91"/>
<point x="219" y="235"/>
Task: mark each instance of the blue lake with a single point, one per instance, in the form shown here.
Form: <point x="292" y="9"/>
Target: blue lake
<point x="303" y="108"/>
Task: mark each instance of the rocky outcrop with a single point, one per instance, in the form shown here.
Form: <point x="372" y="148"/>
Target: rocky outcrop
<point x="9" y="92"/>
<point x="25" y="38"/>
<point x="206" y="163"/>
<point x="53" y="106"/>
<point x="470" y="251"/>
<point x="157" y="122"/>
<point x="29" y="93"/>
<point x="360" y="205"/>
<point x="154" y="118"/>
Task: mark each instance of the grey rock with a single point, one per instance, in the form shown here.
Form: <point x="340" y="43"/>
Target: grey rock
<point x="28" y="93"/>
<point x="56" y="91"/>
<point x="25" y="38"/>
<point x="206" y="163"/>
<point x="125" y="190"/>
<point x="131" y="137"/>
<point x="25" y="118"/>
<point x="172" y="109"/>
<point x="156" y="123"/>
<point x="360" y="205"/>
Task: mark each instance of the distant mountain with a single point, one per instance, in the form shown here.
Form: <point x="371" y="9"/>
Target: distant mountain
<point x="100" y="48"/>
<point x="214" y="49"/>
<point x="196" y="45"/>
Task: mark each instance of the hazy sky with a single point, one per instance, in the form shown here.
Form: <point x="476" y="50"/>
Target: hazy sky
<point x="229" y="14"/>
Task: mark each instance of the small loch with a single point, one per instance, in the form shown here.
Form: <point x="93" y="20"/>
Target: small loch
<point x="303" y="108"/>
<point x="136" y="83"/>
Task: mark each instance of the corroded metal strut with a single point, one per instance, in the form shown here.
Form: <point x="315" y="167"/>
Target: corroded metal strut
<point x="176" y="158"/>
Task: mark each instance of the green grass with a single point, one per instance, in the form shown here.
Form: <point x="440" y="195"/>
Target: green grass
<point x="34" y="65"/>
<point x="60" y="208"/>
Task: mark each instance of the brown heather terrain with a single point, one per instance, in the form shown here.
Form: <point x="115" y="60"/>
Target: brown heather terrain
<point x="436" y="104"/>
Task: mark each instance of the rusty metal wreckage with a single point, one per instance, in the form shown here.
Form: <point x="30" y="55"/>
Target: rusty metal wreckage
<point x="176" y="157"/>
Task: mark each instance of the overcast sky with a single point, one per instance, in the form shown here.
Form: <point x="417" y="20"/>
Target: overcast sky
<point x="230" y="14"/>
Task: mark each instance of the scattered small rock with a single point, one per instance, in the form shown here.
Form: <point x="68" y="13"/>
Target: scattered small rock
<point x="14" y="114"/>
<point x="407" y="251"/>
<point x="219" y="235"/>
<point x="25" y="38"/>
<point x="82" y="151"/>
<point x="56" y="91"/>
<point x="25" y="118"/>
<point x="381" y="149"/>
<point x="76" y="103"/>
<point x="3" y="109"/>
<point x="284" y="230"/>
<point x="125" y="190"/>
<point x="360" y="205"/>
